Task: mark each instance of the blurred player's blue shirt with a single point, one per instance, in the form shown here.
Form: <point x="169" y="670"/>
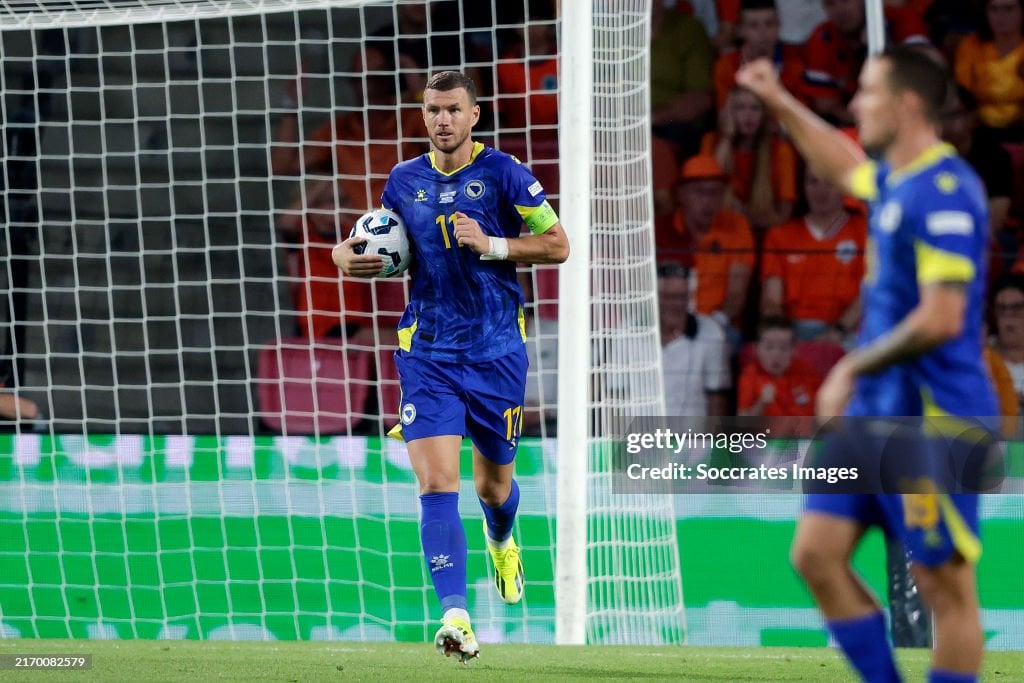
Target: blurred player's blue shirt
<point x="928" y="223"/>
<point x="463" y="309"/>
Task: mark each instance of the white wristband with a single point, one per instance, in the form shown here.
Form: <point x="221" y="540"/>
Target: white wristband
<point x="497" y="251"/>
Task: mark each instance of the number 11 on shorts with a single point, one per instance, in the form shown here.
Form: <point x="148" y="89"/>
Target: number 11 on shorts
<point x="513" y="422"/>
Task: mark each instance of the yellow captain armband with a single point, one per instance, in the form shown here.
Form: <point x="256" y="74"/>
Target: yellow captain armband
<point x="864" y="181"/>
<point x="538" y="218"/>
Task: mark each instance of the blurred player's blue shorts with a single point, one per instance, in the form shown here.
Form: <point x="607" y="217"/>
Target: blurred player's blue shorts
<point x="481" y="400"/>
<point x="932" y="526"/>
<point x="924" y="493"/>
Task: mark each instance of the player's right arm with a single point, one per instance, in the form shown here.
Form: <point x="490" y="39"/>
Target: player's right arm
<point x="830" y="154"/>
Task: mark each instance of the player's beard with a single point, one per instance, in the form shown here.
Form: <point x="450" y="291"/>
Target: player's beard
<point x="451" y="145"/>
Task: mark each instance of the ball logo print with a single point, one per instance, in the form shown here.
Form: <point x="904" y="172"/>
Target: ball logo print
<point x="385" y="235"/>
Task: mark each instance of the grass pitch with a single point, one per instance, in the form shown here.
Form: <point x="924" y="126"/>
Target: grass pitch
<point x="294" y="662"/>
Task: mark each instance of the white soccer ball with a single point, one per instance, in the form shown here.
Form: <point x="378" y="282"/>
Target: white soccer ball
<point x="385" y="234"/>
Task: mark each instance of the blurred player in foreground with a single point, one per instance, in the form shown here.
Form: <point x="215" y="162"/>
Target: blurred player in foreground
<point x="919" y="351"/>
<point x="462" y="357"/>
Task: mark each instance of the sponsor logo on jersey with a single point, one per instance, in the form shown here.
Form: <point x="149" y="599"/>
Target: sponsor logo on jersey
<point x="475" y="189"/>
<point x="447" y="197"/>
<point x="535" y="189"/>
<point x="950" y="223"/>
<point x="408" y="413"/>
<point x="421" y="196"/>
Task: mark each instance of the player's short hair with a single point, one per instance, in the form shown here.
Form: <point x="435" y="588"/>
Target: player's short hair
<point x="443" y="81"/>
<point x="774" y="322"/>
<point x="751" y="5"/>
<point x="913" y="68"/>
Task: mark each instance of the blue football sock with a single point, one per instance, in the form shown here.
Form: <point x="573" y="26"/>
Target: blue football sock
<point x="941" y="676"/>
<point x="866" y="645"/>
<point x="500" y="519"/>
<point x="444" y="547"/>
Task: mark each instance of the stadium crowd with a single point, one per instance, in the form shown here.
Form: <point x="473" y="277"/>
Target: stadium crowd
<point x="759" y="259"/>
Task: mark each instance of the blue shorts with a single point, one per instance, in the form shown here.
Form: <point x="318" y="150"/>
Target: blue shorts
<point x="931" y="526"/>
<point x="912" y="487"/>
<point x="481" y="400"/>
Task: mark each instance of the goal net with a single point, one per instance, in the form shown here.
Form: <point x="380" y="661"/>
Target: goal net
<point x="208" y="458"/>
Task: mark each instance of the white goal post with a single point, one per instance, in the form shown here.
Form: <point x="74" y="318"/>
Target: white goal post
<point x="202" y="469"/>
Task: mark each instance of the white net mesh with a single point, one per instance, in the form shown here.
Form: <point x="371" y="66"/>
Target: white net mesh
<point x="633" y="558"/>
<point x="176" y="173"/>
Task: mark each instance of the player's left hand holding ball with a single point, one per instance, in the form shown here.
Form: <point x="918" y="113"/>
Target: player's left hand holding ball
<point x="356" y="265"/>
<point x="469" y="234"/>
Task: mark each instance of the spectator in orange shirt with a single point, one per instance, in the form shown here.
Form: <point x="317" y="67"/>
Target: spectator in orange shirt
<point x="327" y="305"/>
<point x="990" y="64"/>
<point x="1008" y="313"/>
<point x="761" y="163"/>
<point x="777" y="383"/>
<point x="811" y="267"/>
<point x="715" y="242"/>
<point x="348" y="159"/>
<point x="527" y="94"/>
<point x="759" y="39"/>
<point x="837" y="49"/>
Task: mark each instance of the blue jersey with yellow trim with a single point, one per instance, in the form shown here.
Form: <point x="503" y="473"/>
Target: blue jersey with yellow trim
<point x="462" y="308"/>
<point x="928" y="224"/>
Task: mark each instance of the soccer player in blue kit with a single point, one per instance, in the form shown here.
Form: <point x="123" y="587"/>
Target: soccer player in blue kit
<point x="462" y="358"/>
<point x="918" y="352"/>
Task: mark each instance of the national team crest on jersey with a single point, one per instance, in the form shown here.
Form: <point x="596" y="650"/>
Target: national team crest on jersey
<point x="408" y="413"/>
<point x="475" y="189"/>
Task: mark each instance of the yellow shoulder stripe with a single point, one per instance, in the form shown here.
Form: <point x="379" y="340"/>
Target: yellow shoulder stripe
<point x="936" y="265"/>
<point x="864" y="181"/>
